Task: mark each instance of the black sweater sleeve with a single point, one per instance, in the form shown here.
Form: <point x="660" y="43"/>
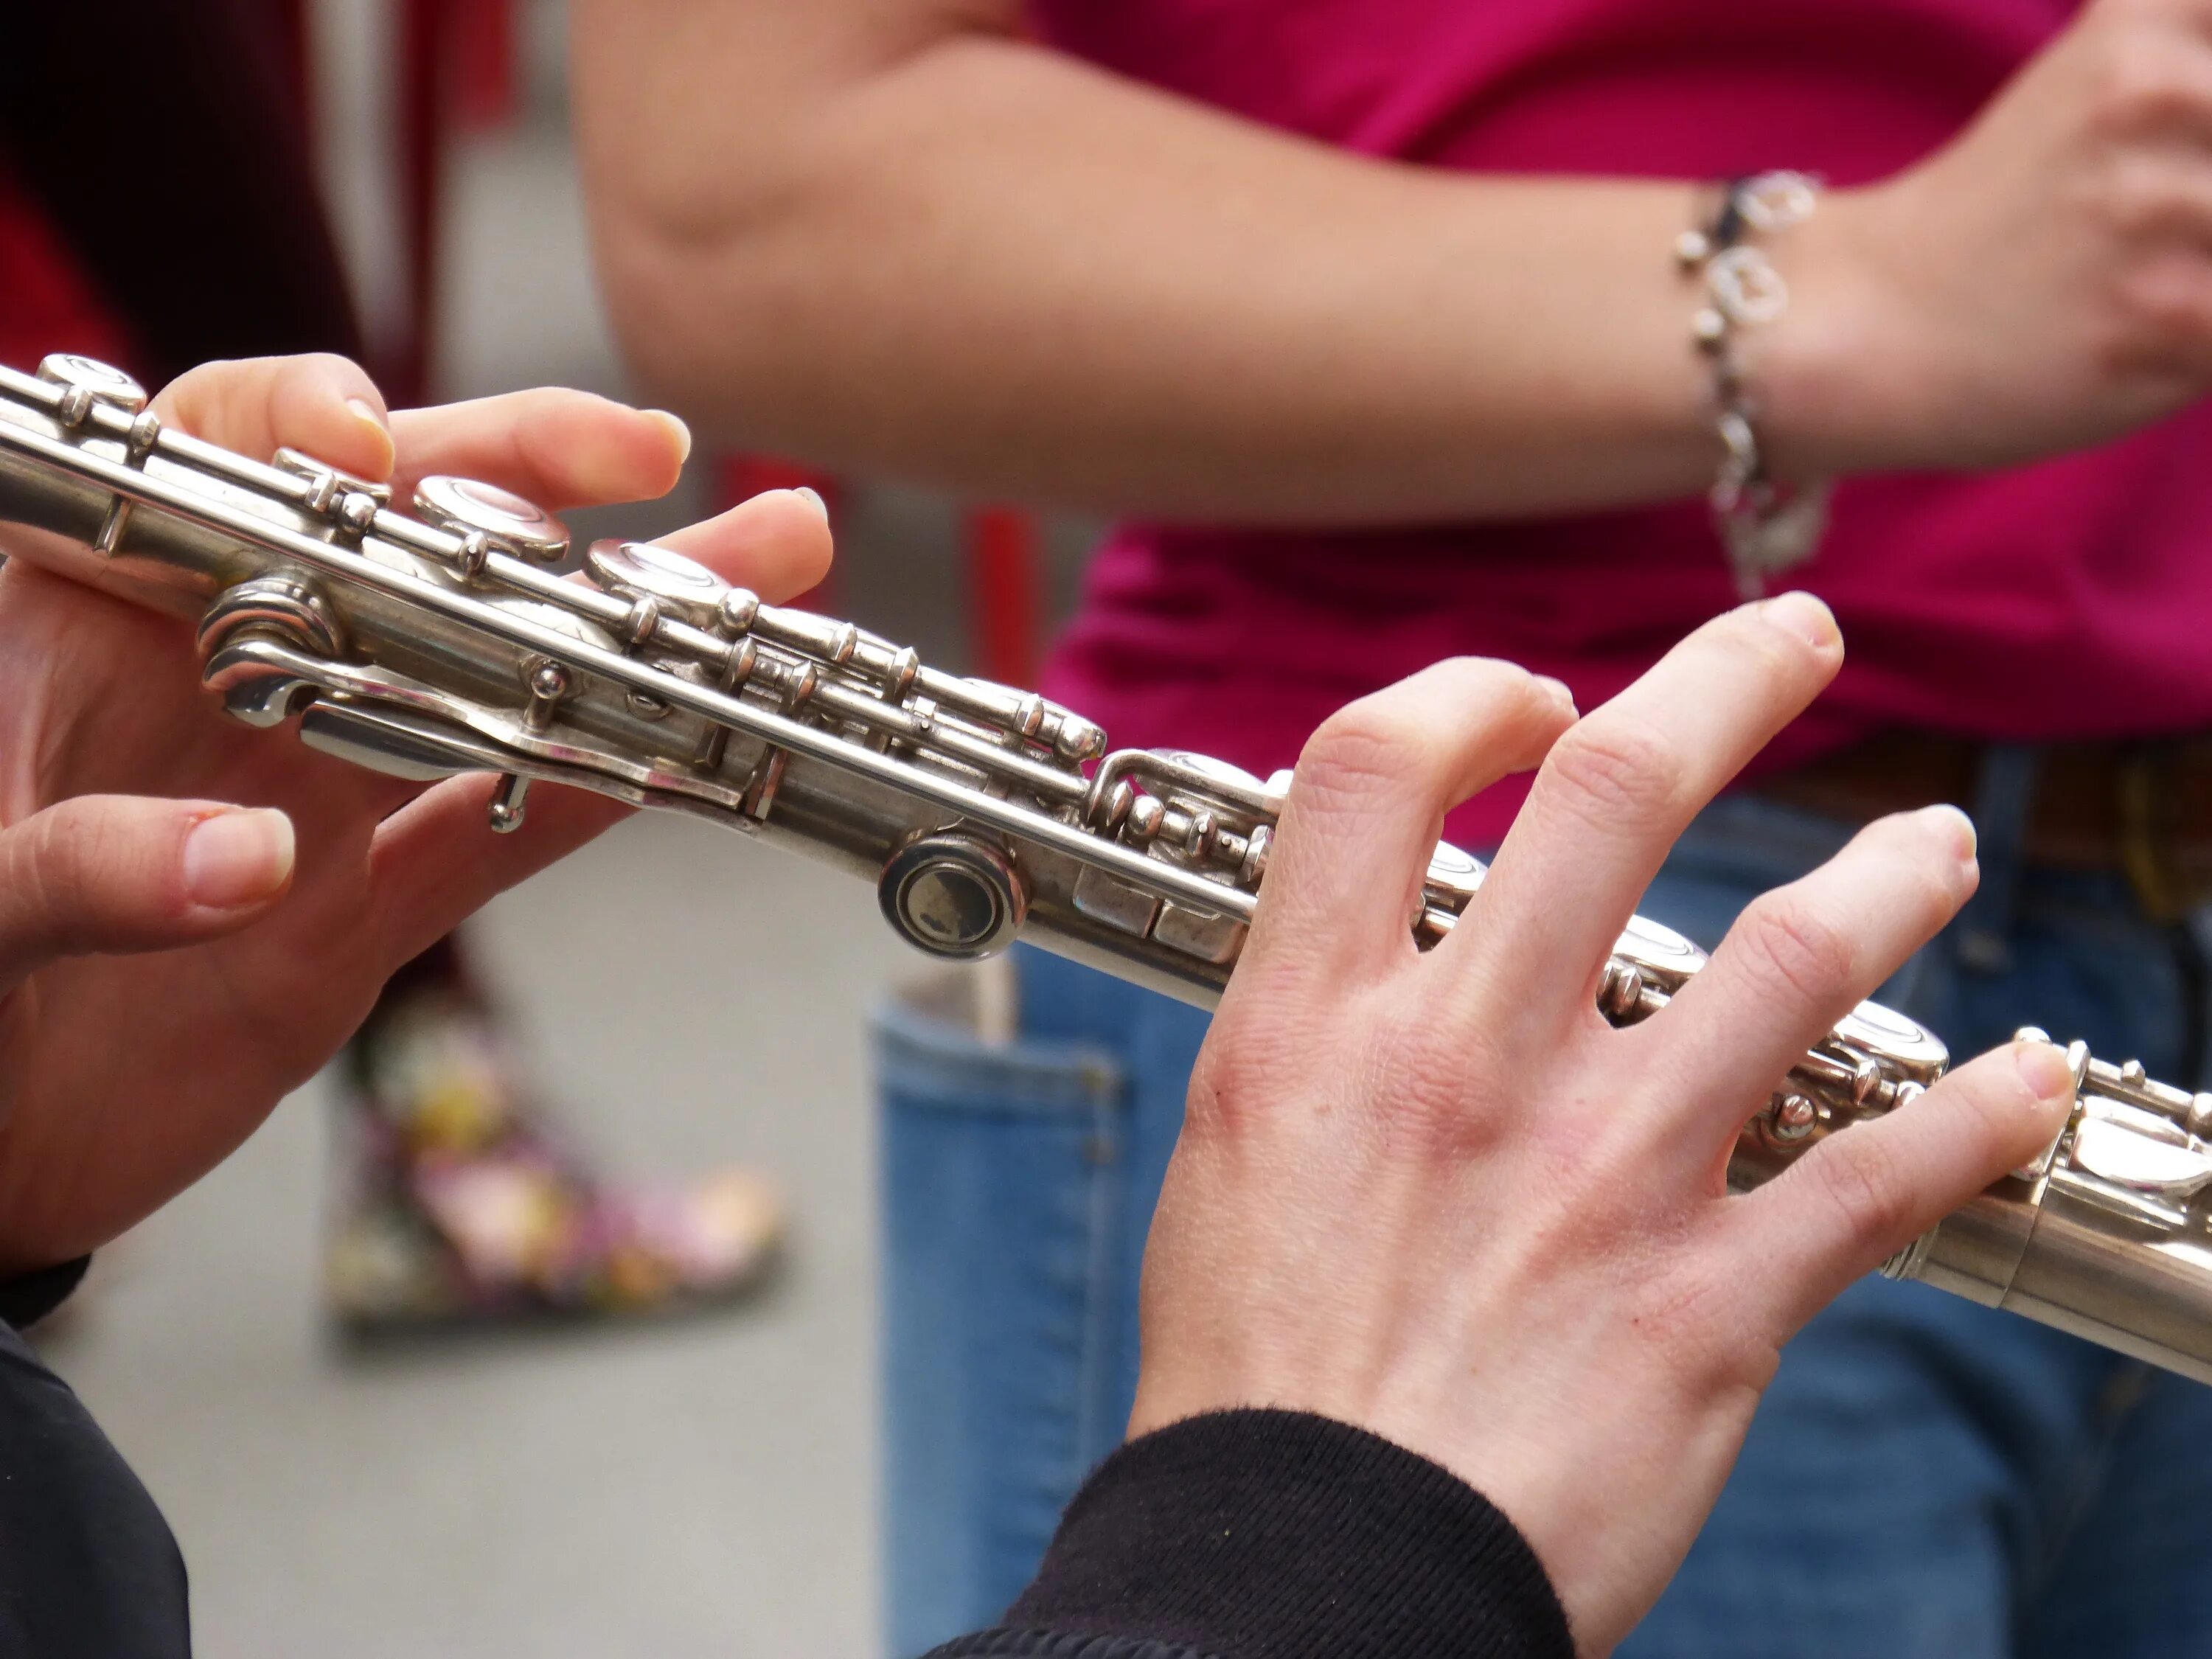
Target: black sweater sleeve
<point x="26" y="1300"/>
<point x="1269" y="1534"/>
<point x="87" y="1567"/>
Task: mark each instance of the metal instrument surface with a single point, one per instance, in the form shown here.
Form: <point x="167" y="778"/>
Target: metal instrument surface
<point x="440" y="642"/>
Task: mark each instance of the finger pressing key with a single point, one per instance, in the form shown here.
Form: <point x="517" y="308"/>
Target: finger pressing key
<point x="1867" y="1191"/>
<point x="322" y="404"/>
<point x="1617" y="790"/>
<point x="555" y="447"/>
<point x="1369" y="798"/>
<point x="1797" y="960"/>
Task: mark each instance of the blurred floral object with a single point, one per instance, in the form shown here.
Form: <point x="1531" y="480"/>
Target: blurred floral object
<point x="463" y="1205"/>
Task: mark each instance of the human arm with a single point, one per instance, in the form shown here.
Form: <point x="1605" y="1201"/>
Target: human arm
<point x="1437" y="1196"/>
<point x="1287" y="1534"/>
<point x="892" y="234"/>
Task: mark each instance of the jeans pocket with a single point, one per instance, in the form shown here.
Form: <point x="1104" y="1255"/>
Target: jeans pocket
<point x="1000" y="1214"/>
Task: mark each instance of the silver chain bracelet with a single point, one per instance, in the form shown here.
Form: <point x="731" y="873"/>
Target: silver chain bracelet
<point x="1766" y="527"/>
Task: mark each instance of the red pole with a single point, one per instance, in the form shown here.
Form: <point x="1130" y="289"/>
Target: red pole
<point x="1003" y="593"/>
<point x="421" y="129"/>
<point x="487" y="72"/>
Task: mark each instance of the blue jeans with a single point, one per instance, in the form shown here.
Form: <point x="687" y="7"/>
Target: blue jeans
<point x="1926" y="1478"/>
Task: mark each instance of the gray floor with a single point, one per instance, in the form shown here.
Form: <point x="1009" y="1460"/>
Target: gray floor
<point x="704" y="1489"/>
<point x="701" y="1489"/>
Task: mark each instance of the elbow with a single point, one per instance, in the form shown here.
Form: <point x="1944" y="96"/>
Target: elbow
<point x="684" y="302"/>
<point x="647" y="289"/>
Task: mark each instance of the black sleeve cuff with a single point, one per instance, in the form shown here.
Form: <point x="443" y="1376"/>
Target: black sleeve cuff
<point x="26" y="1300"/>
<point x="1272" y="1535"/>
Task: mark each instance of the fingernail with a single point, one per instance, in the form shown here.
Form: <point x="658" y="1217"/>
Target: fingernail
<point x="1963" y="834"/>
<point x="1803" y="615"/>
<point x="372" y="417"/>
<point x="677" y="430"/>
<point x="1559" y="691"/>
<point x="815" y="496"/>
<point x="2043" y="1069"/>
<point x="237" y="858"/>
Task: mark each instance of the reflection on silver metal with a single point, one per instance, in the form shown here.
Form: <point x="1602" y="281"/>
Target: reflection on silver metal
<point x="2198" y="1121"/>
<point x="1793" y="1117"/>
<point x="93" y="381"/>
<point x="1666" y="957"/>
<point x="1876" y="1029"/>
<point x="683" y="587"/>
<point x="1120" y="906"/>
<point x="517" y="527"/>
<point x="252" y="693"/>
<point x="367" y="740"/>
<point x="328" y="491"/>
<point x="953" y="894"/>
<point x="2131" y="1154"/>
<point x="1455" y="871"/>
<point x="549" y="686"/>
<point x="1206" y="934"/>
<point x="430" y="645"/>
<point x="290" y="606"/>
<point x="1620" y="990"/>
<point x="505" y="809"/>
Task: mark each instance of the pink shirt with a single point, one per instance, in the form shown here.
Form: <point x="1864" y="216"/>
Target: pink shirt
<point x="2067" y="599"/>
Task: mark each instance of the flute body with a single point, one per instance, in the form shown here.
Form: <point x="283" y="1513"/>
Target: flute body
<point x="439" y="641"/>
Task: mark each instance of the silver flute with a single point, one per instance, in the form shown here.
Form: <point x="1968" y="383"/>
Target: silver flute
<point x="443" y="642"/>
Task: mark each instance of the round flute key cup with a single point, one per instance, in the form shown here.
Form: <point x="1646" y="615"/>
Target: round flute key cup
<point x="684" y="587"/>
<point x="512" y="524"/>
<point x="1455" y="872"/>
<point x="953" y="894"/>
<point x="106" y="383"/>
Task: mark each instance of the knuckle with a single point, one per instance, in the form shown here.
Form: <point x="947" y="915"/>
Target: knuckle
<point x="1940" y="879"/>
<point x="1236" y="1065"/>
<point x="187" y="399"/>
<point x="2141" y="198"/>
<point x="1448" y="1127"/>
<point x="1367" y="749"/>
<point x="323" y="372"/>
<point x="1797" y="949"/>
<point x="333" y="362"/>
<point x="1611" y="771"/>
<point x="78" y="870"/>
<point x="2164" y="304"/>
<point x="1490" y="709"/>
<point x="55" y="872"/>
<point x="1203" y="1102"/>
<point x="1769" y="658"/>
<point x="1485" y="679"/>
<point x="1427" y="1105"/>
<point x="2142" y="84"/>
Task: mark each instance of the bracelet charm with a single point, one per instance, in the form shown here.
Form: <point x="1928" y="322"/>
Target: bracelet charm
<point x="1765" y="525"/>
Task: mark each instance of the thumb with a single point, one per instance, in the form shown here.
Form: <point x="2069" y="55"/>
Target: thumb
<point x="118" y="873"/>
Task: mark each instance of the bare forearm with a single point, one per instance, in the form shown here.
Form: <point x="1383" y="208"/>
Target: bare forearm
<point x="992" y="266"/>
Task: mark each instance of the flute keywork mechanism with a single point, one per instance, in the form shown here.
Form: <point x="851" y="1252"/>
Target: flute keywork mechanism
<point x="442" y="642"/>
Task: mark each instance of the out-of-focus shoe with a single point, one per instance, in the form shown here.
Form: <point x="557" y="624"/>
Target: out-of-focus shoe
<point x="465" y="1207"/>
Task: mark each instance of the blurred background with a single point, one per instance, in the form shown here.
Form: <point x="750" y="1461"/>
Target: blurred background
<point x="703" y="1486"/>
